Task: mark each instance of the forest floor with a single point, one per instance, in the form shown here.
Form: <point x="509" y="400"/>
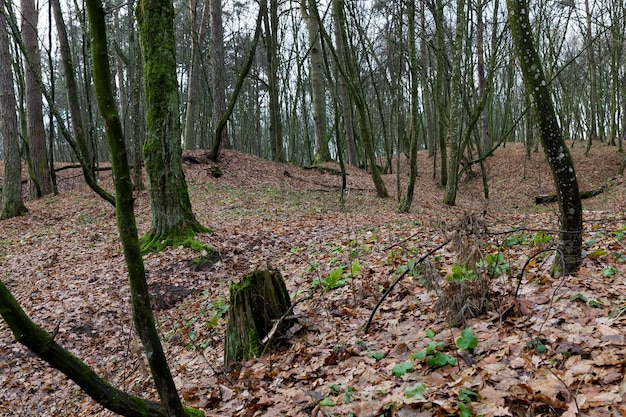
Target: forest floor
<point x="545" y="345"/>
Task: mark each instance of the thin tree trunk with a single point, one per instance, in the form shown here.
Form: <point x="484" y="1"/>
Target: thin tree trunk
<point x="318" y="95"/>
<point x="156" y="16"/>
<point x="218" y="80"/>
<point x="456" y="107"/>
<point x="569" y="256"/>
<point x="346" y="104"/>
<point x="198" y="35"/>
<point x="405" y="204"/>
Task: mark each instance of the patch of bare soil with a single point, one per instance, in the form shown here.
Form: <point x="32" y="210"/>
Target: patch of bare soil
<point x="545" y="345"/>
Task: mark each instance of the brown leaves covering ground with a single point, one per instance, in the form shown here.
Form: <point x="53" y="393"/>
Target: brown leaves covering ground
<point x="63" y="263"/>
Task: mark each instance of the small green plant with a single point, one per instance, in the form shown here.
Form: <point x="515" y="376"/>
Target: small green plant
<point x="219" y="308"/>
<point x="466" y="396"/>
<point x="337" y="278"/>
<point x="432" y="355"/>
<point x="609" y="271"/>
<point x="537" y="345"/>
<point x="376" y="355"/>
<point x="467" y="340"/>
<point x="416" y="391"/>
<point x="462" y="273"/>
<point x="540" y="238"/>
<point x="494" y="264"/>
<point x="402" y="368"/>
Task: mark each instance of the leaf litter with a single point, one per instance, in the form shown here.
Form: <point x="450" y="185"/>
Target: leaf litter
<point x="556" y="349"/>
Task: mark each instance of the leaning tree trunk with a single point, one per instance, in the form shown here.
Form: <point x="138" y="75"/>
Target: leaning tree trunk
<point x="561" y="164"/>
<point x="256" y="303"/>
<point x="173" y="222"/>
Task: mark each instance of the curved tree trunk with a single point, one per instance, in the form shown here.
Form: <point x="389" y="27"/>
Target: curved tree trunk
<point x="140" y="299"/>
<point x="173" y="222"/>
<point x="561" y="164"/>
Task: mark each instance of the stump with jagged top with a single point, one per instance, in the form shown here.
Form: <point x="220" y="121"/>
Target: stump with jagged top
<point x="258" y="303"/>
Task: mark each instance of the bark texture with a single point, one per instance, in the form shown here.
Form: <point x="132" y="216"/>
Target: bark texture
<point x="173" y="222"/>
<point x="256" y="302"/>
<point x="40" y="183"/>
<point x="561" y="164"/>
<point x="12" y="203"/>
<point x="127" y="227"/>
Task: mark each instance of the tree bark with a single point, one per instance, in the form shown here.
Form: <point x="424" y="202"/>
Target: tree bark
<point x="43" y="345"/>
<point x="270" y="20"/>
<point x="256" y="302"/>
<point x="346" y="103"/>
<point x="79" y="144"/>
<point x="455" y="129"/>
<point x="218" y="79"/>
<point x="173" y="222"/>
<point x="405" y="204"/>
<point x="318" y="95"/>
<point x="40" y="183"/>
<point x="198" y="35"/>
<point x="140" y="298"/>
<point x="568" y="257"/>
<point x="12" y="203"/>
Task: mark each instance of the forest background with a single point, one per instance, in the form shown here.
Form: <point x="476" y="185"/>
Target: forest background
<point x="370" y="85"/>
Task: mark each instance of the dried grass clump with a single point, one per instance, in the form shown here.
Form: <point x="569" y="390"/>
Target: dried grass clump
<point x="464" y="300"/>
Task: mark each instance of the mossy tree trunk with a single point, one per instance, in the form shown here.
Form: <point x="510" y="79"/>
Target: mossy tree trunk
<point x="140" y="299"/>
<point x="43" y="345"/>
<point x="256" y="302"/>
<point x="173" y="221"/>
<point x="561" y="164"/>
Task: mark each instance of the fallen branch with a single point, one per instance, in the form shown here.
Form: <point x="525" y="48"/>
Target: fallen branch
<point x="552" y="198"/>
<point x="392" y="286"/>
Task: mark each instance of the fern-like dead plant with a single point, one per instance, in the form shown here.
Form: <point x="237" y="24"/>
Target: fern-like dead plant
<point x="464" y="300"/>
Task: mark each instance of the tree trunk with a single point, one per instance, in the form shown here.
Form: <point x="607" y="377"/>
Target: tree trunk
<point x="346" y="104"/>
<point x="40" y="183"/>
<point x="79" y="143"/>
<point x="318" y="95"/>
<point x="12" y="203"/>
<point x="140" y="299"/>
<point x="256" y="303"/>
<point x="218" y="78"/>
<point x="440" y="92"/>
<point x="173" y="222"/>
<point x="198" y="34"/>
<point x="405" y="204"/>
<point x="456" y="107"/>
<point x="569" y="247"/>
<point x="270" y="19"/>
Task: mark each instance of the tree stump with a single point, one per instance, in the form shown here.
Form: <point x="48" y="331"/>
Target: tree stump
<point x="257" y="302"/>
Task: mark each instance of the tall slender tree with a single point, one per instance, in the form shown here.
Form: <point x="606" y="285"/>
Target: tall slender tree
<point x="173" y="221"/>
<point x="318" y="94"/>
<point x="40" y="183"/>
<point x="561" y="164"/>
<point x="12" y="203"/>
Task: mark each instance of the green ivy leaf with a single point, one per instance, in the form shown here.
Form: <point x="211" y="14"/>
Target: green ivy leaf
<point x="416" y="391"/>
<point x="467" y="340"/>
<point x="376" y="355"/>
<point x="327" y="402"/>
<point x="401" y="369"/>
<point x="468" y="396"/>
<point x="429" y="334"/>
